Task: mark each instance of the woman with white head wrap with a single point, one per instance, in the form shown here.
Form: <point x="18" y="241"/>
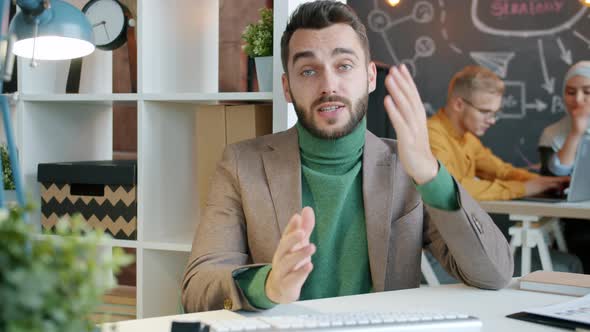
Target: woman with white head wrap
<point x="559" y="141"/>
<point x="558" y="145"/>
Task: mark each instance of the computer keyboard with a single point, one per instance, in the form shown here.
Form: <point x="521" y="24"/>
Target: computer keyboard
<point x="358" y="321"/>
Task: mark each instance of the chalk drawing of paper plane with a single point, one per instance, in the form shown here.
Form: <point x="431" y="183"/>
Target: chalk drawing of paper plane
<point x="518" y="18"/>
<point x="494" y="61"/>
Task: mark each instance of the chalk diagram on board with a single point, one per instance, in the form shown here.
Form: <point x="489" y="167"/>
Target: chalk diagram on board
<point x="567" y="18"/>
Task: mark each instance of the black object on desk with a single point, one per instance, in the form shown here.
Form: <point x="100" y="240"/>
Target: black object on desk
<point x="549" y="321"/>
<point x="189" y="327"/>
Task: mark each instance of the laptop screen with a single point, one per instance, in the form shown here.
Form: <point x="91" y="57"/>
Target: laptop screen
<point x="580" y="184"/>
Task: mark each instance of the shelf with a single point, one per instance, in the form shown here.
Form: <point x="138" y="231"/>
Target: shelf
<point x="104" y="242"/>
<point x="191" y="98"/>
<point x="84" y="97"/>
<point x="211" y="98"/>
<point x="168" y="246"/>
<point x="177" y="120"/>
<point x="122" y="243"/>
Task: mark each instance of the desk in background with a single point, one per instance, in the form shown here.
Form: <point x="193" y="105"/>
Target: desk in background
<point x="579" y="210"/>
<point x="489" y="306"/>
<point x="531" y="212"/>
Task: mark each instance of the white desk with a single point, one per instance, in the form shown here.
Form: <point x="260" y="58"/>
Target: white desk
<point x="580" y="210"/>
<point x="530" y="212"/>
<point x="489" y="306"/>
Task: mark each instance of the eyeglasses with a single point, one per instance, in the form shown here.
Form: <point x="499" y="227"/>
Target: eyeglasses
<point x="487" y="114"/>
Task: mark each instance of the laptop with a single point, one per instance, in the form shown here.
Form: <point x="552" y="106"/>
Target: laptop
<point x="579" y="189"/>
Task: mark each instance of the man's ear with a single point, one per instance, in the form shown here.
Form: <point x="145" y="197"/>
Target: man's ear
<point x="286" y="88"/>
<point x="456" y="104"/>
<point x="372" y="76"/>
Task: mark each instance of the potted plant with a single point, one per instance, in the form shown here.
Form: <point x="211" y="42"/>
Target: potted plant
<point x="258" y="38"/>
<point x="51" y="283"/>
<point x="8" y="179"/>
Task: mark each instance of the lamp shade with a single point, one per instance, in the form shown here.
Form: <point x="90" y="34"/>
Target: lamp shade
<point x="63" y="33"/>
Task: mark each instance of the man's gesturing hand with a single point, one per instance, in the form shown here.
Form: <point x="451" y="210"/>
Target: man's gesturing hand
<point x="291" y="263"/>
<point x="407" y="115"/>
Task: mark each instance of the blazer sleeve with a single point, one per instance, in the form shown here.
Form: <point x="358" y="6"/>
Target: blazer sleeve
<point x="220" y="248"/>
<point x="468" y="244"/>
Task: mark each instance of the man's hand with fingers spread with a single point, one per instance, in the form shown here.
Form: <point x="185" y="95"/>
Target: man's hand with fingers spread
<point x="407" y="115"/>
<point x="291" y="263"/>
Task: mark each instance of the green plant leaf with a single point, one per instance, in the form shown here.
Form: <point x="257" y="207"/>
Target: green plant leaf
<point x="258" y="36"/>
<point x="51" y="283"/>
<point x="7" y="176"/>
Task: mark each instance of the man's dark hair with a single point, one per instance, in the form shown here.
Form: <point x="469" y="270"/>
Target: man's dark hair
<point x="319" y="15"/>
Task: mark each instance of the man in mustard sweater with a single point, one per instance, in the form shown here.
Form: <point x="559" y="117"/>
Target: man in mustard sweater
<point x="474" y="98"/>
<point x="473" y="101"/>
<point x="326" y="208"/>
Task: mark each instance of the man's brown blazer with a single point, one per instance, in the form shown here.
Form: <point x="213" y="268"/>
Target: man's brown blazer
<point x="257" y="188"/>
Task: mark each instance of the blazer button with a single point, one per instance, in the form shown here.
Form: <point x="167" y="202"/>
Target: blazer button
<point x="227" y="304"/>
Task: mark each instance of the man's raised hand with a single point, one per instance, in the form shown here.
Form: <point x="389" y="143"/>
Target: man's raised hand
<point x="407" y="115"/>
<point x="291" y="263"/>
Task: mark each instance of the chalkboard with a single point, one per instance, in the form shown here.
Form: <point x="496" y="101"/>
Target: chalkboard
<point x="530" y="44"/>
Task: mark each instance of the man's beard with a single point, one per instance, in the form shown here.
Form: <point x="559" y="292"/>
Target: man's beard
<point x="356" y="115"/>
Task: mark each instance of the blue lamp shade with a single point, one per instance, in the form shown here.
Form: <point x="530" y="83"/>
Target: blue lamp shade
<point x="64" y="32"/>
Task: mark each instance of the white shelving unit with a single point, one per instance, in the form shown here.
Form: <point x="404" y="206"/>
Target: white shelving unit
<point x="177" y="72"/>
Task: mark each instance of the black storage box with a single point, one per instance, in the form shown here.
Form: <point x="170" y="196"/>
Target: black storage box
<point x="103" y="192"/>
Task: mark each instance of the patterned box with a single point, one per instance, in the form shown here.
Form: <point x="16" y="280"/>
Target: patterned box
<point x="103" y="192"/>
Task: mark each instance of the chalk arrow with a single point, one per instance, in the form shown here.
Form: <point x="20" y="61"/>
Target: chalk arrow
<point x="566" y="55"/>
<point x="538" y="105"/>
<point x="549" y="84"/>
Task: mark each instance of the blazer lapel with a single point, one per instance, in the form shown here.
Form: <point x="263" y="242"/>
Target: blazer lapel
<point x="282" y="164"/>
<point x="378" y="194"/>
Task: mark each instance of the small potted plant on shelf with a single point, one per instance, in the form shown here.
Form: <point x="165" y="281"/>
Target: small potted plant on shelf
<point x="51" y="283"/>
<point x="7" y="177"/>
<point x="6" y="169"/>
<point x="258" y="38"/>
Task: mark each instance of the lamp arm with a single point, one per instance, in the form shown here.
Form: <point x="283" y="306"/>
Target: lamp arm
<point x="9" y="60"/>
<point x="31" y="6"/>
<point x="36" y="11"/>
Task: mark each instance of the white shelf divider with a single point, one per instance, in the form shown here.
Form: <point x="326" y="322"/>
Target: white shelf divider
<point x="215" y="97"/>
<point x="168" y="246"/>
<point x="107" y="242"/>
<point x="91" y="98"/>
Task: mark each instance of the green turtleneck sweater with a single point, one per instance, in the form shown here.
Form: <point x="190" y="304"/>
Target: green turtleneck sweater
<point x="332" y="186"/>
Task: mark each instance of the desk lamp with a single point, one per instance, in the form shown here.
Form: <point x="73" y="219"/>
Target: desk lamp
<point x="46" y="30"/>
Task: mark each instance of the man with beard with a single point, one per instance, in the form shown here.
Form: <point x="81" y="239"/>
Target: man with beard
<point x="370" y="205"/>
